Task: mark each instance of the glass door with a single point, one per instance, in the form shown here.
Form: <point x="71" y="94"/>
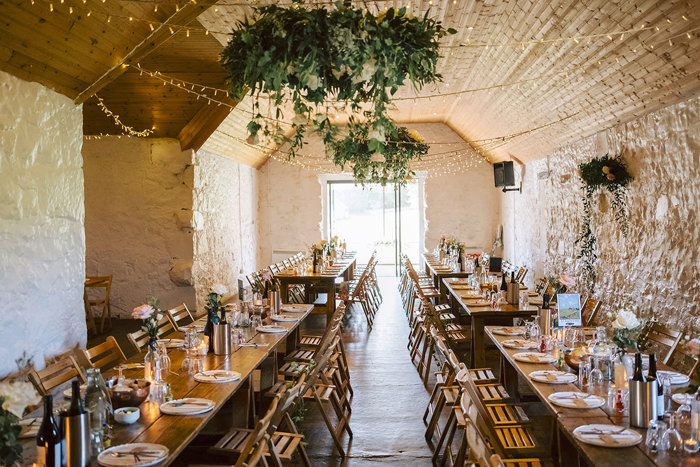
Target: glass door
<point x="375" y="217"/>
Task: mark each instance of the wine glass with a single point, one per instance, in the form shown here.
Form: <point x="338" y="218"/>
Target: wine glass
<point x="164" y="358"/>
<point x="683" y="416"/>
<point x="655" y="434"/>
<point x="671" y="439"/>
<point x="595" y="376"/>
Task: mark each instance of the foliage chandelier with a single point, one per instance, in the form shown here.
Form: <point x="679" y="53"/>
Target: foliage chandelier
<point x="309" y="56"/>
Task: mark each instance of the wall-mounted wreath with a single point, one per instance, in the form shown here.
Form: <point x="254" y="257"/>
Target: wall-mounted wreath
<point x="322" y="61"/>
<point x="609" y="173"/>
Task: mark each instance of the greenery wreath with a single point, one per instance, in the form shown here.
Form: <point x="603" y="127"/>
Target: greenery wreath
<point x="610" y="173"/>
<point x="319" y="60"/>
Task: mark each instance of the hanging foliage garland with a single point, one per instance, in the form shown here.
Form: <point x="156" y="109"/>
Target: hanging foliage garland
<point x="610" y="173"/>
<point x="308" y="57"/>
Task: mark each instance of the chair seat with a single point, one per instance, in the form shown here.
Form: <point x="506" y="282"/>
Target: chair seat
<point x="235" y="440"/>
<point x="303" y="355"/>
<point x="310" y="341"/>
<point x="482" y="375"/>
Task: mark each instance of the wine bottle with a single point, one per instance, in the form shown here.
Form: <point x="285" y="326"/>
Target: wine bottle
<point x="652" y="376"/>
<point x="48" y="439"/>
<point x="476" y="263"/>
<point x="638" y="373"/>
<point x="504" y="284"/>
<point x="76" y="403"/>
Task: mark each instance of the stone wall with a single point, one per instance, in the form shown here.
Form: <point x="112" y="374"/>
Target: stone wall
<point x="658" y="262"/>
<point x="42" y="242"/>
<point x="138" y="219"/>
<point x="290" y="209"/>
<point x="226" y="209"/>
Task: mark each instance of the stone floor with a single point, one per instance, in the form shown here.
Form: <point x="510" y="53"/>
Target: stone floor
<point x="389" y="396"/>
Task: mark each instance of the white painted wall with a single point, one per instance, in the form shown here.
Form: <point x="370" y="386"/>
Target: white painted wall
<point x="659" y="261"/>
<point x="138" y="210"/>
<point x="226" y="210"/>
<point x="42" y="242"/>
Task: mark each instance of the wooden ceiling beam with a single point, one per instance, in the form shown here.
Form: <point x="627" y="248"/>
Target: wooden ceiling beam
<point x="203" y="124"/>
<point x="155" y="39"/>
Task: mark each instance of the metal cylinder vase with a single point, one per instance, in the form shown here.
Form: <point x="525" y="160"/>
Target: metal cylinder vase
<point x="221" y="336"/>
<point x="642" y="403"/>
<point x="76" y="436"/>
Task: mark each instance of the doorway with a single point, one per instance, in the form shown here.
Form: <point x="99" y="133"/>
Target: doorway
<point x="387" y="219"/>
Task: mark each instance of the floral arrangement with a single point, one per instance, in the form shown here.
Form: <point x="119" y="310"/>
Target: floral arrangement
<point x="310" y="57"/>
<point x="693" y="346"/>
<point x="317" y="249"/>
<point x="627" y="329"/>
<point x="15" y="396"/>
<point x="333" y="242"/>
<point x="561" y="284"/>
<point x="271" y="283"/>
<point x="213" y="306"/>
<point x="150" y="314"/>
<point x="610" y="173"/>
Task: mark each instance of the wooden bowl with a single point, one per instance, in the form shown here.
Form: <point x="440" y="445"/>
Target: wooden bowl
<point x="133" y="397"/>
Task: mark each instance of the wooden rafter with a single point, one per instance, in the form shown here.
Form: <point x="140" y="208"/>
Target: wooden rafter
<point x="160" y="35"/>
<point x="203" y="124"/>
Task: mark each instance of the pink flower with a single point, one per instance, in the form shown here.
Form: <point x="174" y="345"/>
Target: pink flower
<point x="267" y="276"/>
<point x="569" y="282"/>
<point x="143" y="312"/>
<point x="693" y="346"/>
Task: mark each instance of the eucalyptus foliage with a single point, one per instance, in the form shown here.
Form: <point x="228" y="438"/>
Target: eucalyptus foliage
<point x="609" y="173"/>
<point x="312" y="56"/>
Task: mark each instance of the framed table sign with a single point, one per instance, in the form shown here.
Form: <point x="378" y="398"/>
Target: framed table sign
<point x="569" y="305"/>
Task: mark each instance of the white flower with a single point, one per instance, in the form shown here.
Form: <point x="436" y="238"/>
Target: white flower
<point x="219" y="289"/>
<point x="625" y="320"/>
<point x="314" y="82"/>
<point x="18" y="395"/>
<point x="368" y="70"/>
<point x="378" y="135"/>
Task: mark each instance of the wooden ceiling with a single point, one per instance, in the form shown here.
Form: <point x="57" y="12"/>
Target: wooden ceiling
<point x="547" y="89"/>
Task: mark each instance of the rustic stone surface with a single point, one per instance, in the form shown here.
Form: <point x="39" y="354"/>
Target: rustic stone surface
<point x="658" y="262"/>
<point x="42" y="244"/>
<point x="135" y="190"/>
<point x="225" y="208"/>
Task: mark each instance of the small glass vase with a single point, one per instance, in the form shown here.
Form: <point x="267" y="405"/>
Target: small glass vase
<point x="151" y="361"/>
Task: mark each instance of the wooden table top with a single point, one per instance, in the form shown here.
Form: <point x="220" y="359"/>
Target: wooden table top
<point x="569" y="419"/>
<point x="437" y="269"/>
<point x="503" y="310"/>
<point x="176" y="432"/>
<point x="338" y="269"/>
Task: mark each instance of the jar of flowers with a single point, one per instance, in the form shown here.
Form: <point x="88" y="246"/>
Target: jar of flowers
<point x="150" y="314"/>
<point x="317" y="256"/>
<point x="216" y="325"/>
<point x="627" y="329"/>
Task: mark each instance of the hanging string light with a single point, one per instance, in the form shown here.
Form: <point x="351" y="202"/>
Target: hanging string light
<point x="127" y="130"/>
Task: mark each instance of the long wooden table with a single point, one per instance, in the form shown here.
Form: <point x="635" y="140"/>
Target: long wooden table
<point x="176" y="432"/>
<point x="435" y="269"/>
<point x="569" y="419"/>
<point x="319" y="282"/>
<point x="480" y="316"/>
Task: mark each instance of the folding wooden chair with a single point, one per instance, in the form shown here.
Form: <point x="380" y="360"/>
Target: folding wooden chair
<point x="103" y="356"/>
<point x="96" y="294"/>
<point x="590" y="310"/>
<point x="139" y="339"/>
<point x="55" y="374"/>
<point x="179" y="314"/>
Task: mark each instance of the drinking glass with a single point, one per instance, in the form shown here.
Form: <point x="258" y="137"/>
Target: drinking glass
<point x="164" y="358"/>
<point x="655" y="433"/>
<point x="683" y="417"/>
<point x="583" y="372"/>
<point x="671" y="439"/>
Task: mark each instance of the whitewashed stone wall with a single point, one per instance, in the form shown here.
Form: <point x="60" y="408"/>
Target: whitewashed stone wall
<point x="659" y="261"/>
<point x="42" y="242"/>
<point x="138" y="219"/>
<point x="290" y="209"/>
<point x="225" y="210"/>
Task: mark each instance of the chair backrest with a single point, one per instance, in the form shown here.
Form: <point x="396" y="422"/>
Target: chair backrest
<point x="660" y="338"/>
<point x="178" y="314"/>
<point x="256" y="445"/>
<point x="98" y="282"/>
<point x="55" y="374"/>
<point x="590" y="310"/>
<point x="140" y="338"/>
<point x="677" y="358"/>
<point x="520" y="277"/>
<point x="105" y="355"/>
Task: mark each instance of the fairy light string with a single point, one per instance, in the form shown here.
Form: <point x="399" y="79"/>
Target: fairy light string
<point x="127" y="130"/>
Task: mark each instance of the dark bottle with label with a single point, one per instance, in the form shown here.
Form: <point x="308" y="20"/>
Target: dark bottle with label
<point x="504" y="284"/>
<point x="638" y="373"/>
<point x="76" y="402"/>
<point x="48" y="439"/>
<point x="653" y="376"/>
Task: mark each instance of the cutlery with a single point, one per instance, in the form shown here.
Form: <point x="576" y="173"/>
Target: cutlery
<point x="602" y="432"/>
<point x="180" y="404"/>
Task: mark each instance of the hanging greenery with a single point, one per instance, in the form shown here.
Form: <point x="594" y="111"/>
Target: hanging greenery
<point x="310" y="57"/>
<point x="371" y="166"/>
<point x="610" y="173"/>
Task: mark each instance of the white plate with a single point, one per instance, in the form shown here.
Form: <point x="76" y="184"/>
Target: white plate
<point x="545" y="376"/>
<point x="589" y="434"/>
<point x="295" y="307"/>
<point x="69" y="392"/>
<point x="283" y="318"/>
<point x="576" y="400"/>
<point x="157" y="453"/>
<point x="680" y="398"/>
<point x="534" y="357"/>
<point x="520" y="344"/>
<point x="509" y="331"/>
<point x="172" y="343"/>
<point x="187" y="406"/>
<point x="677" y="379"/>
<point x="217" y="376"/>
<point x="273" y="329"/>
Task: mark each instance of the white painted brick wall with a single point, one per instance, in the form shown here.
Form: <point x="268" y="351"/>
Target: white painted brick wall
<point x="42" y="242"/>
